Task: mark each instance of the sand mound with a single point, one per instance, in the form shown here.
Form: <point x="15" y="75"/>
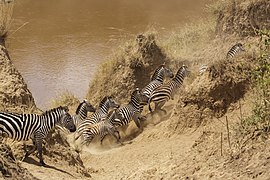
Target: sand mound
<point x="224" y="83"/>
<point x="14" y="93"/>
<point x="131" y="67"/>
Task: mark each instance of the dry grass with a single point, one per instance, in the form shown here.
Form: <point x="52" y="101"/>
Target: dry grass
<point x="6" y="11"/>
<point x="182" y="42"/>
<point x="65" y="99"/>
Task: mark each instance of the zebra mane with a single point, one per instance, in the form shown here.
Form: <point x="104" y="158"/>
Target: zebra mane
<point x="157" y="71"/>
<point x="181" y="70"/>
<point x="134" y="94"/>
<point x="104" y="100"/>
<point x="55" y="109"/>
<point x="79" y="107"/>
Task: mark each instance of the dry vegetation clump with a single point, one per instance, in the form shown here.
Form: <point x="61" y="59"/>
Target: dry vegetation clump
<point x="130" y="67"/>
<point x="184" y="42"/>
<point x="9" y="167"/>
<point x="6" y="10"/>
<point x="243" y="17"/>
<point x="66" y="99"/>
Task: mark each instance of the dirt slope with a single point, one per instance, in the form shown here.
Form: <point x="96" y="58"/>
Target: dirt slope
<point x="190" y="142"/>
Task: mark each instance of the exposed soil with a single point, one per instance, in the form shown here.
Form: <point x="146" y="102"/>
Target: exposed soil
<point x="192" y="141"/>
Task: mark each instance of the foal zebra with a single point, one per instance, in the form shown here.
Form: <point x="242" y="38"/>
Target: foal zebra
<point x="237" y="48"/>
<point x="23" y="127"/>
<point x="156" y="80"/>
<point x="101" y="112"/>
<point x="165" y="92"/>
<point x="130" y="111"/>
<point x="81" y="112"/>
<point x="102" y="128"/>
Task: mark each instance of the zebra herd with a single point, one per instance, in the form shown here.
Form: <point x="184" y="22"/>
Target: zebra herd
<point x="102" y="121"/>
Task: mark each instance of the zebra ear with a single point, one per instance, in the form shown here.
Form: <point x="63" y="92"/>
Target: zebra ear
<point x="66" y="108"/>
<point x="85" y="100"/>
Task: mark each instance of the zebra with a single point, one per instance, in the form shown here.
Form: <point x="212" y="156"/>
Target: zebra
<point x="156" y="80"/>
<point x="102" y="128"/>
<point x="203" y="68"/>
<point x="81" y="112"/>
<point x="237" y="48"/>
<point x="130" y="111"/>
<point x="101" y="112"/>
<point x="22" y="127"/>
<point x="165" y="92"/>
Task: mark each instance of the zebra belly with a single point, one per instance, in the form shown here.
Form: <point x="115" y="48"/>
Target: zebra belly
<point x="161" y="97"/>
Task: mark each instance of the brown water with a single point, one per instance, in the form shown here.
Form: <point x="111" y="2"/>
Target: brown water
<point x="60" y="43"/>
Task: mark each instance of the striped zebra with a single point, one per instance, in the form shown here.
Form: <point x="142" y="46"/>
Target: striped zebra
<point x="81" y="112"/>
<point x="237" y="48"/>
<point x="101" y="112"/>
<point x="101" y="129"/>
<point x="22" y="127"/>
<point x="166" y="92"/>
<point x="130" y="111"/>
<point x="156" y="80"/>
<point x="203" y="68"/>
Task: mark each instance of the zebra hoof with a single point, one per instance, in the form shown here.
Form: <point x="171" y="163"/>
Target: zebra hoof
<point x="42" y="163"/>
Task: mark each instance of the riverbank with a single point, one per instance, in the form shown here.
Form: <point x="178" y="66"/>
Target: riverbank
<point x="209" y="130"/>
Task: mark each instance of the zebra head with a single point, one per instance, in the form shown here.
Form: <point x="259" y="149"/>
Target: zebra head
<point x="66" y="120"/>
<point x="183" y="71"/>
<point x="240" y="46"/>
<point x="108" y="102"/>
<point x="161" y="72"/>
<point x="112" y="103"/>
<point x="168" y="72"/>
<point x="85" y="106"/>
<point x="137" y="96"/>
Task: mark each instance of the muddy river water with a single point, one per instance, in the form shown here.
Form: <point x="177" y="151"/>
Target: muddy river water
<point x="57" y="45"/>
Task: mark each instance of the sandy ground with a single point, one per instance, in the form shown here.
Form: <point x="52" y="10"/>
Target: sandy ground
<point x="156" y="153"/>
<point x="136" y="159"/>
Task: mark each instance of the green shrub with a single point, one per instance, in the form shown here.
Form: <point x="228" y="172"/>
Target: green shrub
<point x="260" y="117"/>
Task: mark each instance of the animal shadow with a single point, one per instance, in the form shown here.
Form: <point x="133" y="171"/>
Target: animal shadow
<point x="31" y="160"/>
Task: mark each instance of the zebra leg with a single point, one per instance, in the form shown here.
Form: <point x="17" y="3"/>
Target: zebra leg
<point x="137" y="120"/>
<point x="149" y="106"/>
<point x="112" y="132"/>
<point x="102" y="138"/>
<point x="119" y="137"/>
<point x="39" y="148"/>
<point x="77" y="137"/>
<point x="1" y="136"/>
<point x="31" y="150"/>
<point x="160" y="105"/>
<point x="87" y="140"/>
